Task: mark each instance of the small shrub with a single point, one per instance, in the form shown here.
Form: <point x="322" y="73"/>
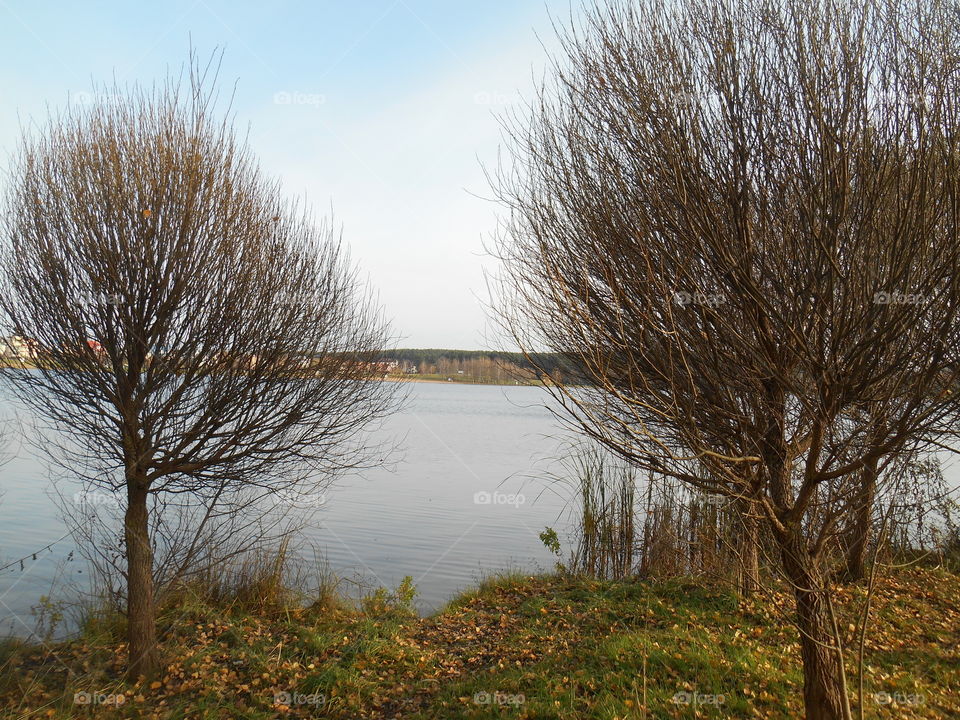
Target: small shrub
<point x="385" y="602"/>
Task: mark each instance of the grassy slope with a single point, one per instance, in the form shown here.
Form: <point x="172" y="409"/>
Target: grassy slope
<point x="572" y="648"/>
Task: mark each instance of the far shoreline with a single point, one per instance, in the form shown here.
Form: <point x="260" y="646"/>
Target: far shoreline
<point x="5" y="364"/>
<point x="454" y="381"/>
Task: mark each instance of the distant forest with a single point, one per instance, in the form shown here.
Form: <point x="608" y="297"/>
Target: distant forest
<point x="478" y="365"/>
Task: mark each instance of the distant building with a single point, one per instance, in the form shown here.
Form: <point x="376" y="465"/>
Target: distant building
<point x="17" y="347"/>
<point x="384" y="367"/>
<point x="98" y="350"/>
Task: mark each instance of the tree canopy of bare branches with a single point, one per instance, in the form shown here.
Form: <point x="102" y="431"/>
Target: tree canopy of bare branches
<point x="193" y="331"/>
<point x="739" y="221"/>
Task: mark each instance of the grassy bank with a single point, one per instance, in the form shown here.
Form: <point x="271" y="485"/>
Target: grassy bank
<point x="524" y="647"/>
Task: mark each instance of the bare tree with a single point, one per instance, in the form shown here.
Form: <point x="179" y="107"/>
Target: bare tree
<point x="193" y="330"/>
<point x="193" y="535"/>
<point x="739" y="222"/>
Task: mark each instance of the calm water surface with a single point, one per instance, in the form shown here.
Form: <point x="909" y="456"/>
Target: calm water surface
<point x="425" y="517"/>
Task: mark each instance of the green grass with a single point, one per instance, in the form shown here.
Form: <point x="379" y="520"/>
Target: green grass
<point x="517" y="647"/>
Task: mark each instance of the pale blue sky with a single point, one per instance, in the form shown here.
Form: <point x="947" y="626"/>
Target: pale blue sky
<point x="383" y="110"/>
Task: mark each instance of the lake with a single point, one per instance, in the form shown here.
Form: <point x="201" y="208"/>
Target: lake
<point x="464" y="499"/>
<point x="467" y="497"/>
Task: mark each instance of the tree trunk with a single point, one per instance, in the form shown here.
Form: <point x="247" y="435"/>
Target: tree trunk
<point x="824" y="686"/>
<point x="141" y="613"/>
<point x="748" y="571"/>
<point x="858" y="537"/>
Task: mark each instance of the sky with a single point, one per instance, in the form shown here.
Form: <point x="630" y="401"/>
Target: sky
<point x="381" y="113"/>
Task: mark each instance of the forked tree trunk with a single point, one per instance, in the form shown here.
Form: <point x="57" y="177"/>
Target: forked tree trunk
<point x="824" y="687"/>
<point x="858" y="536"/>
<point x="141" y="619"/>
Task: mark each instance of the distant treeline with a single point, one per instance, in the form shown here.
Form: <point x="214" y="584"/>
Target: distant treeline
<point x="427" y="359"/>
